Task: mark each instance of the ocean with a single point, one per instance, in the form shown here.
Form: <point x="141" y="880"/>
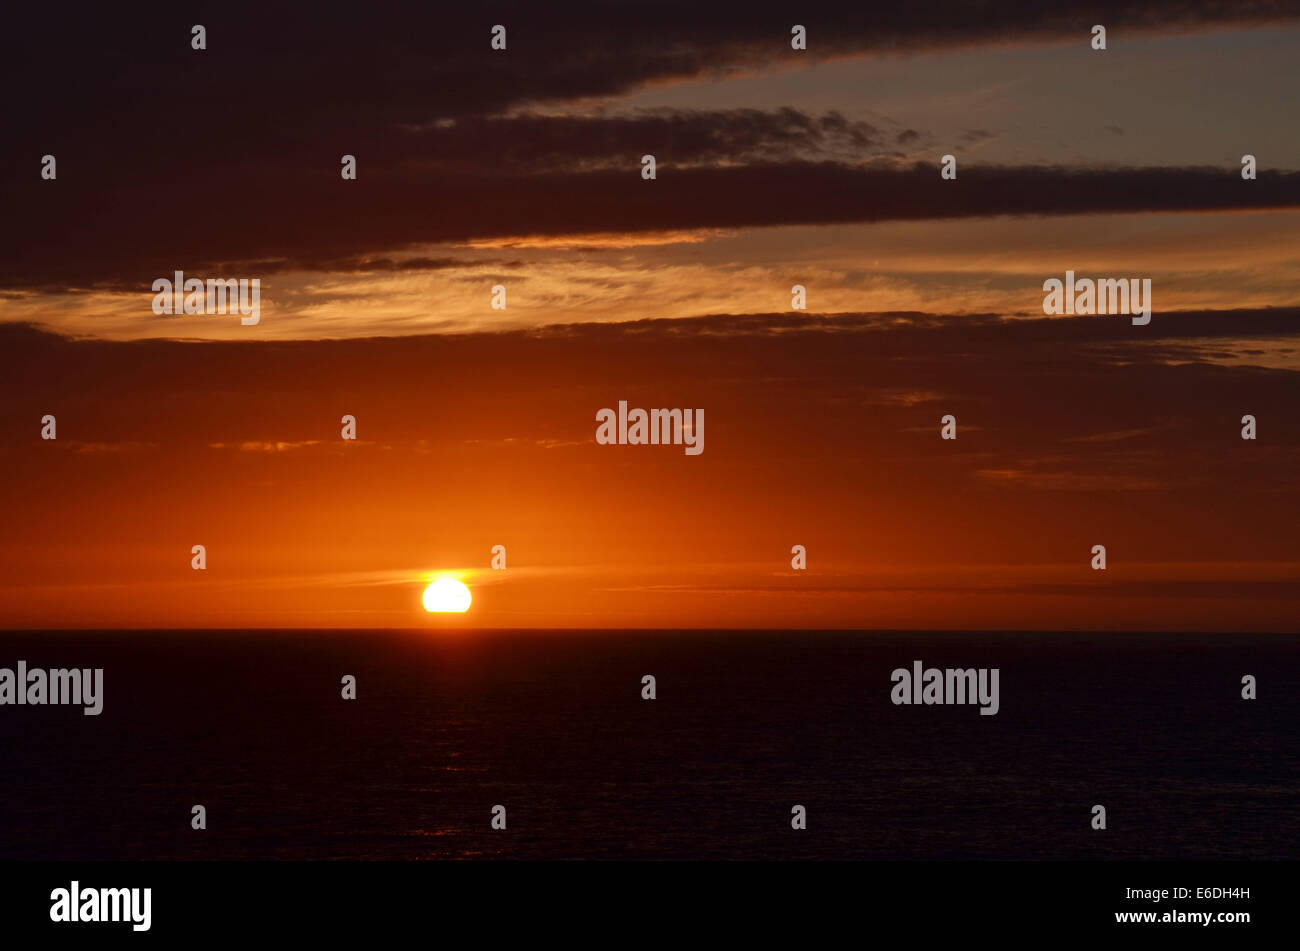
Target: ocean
<point x="745" y="725"/>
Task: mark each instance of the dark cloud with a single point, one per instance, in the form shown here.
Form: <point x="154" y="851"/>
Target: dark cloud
<point x="172" y="158"/>
<point x="683" y="138"/>
<point x="348" y="265"/>
<point x="295" y="72"/>
<point x="81" y="231"/>
<point x="374" y="265"/>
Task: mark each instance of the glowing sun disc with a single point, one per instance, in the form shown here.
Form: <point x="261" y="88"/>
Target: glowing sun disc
<point x="446" y="595"/>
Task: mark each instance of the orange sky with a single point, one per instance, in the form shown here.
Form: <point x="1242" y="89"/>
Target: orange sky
<point x="776" y="167"/>
<point x="824" y="434"/>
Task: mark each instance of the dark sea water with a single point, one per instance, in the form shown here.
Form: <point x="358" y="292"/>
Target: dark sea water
<point x="746" y="724"/>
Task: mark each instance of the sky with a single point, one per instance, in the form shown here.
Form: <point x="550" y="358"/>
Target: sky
<point x="522" y="167"/>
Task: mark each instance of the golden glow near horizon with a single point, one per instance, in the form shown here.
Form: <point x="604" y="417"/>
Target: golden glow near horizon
<point x="447" y="596"/>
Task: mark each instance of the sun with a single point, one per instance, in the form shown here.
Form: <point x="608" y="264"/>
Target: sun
<point x="447" y="595"/>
